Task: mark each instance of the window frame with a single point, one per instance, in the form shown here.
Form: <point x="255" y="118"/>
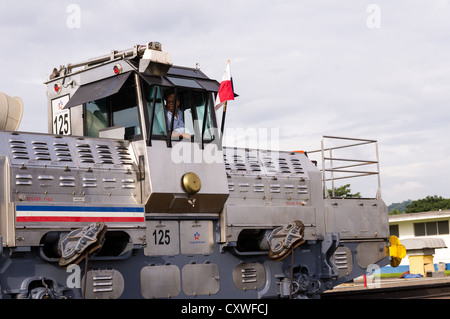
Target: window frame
<point x="440" y="230"/>
<point x="394" y="229"/>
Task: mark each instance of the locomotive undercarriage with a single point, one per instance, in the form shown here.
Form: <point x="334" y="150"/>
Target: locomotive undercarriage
<point x="32" y="272"/>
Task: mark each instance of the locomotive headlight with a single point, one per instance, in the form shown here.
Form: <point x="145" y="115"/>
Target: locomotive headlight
<point x="191" y="183"/>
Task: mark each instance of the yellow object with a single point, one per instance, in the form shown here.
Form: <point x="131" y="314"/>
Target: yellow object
<point x="396" y="251"/>
<point x="421" y="264"/>
<point x="191" y="183"/>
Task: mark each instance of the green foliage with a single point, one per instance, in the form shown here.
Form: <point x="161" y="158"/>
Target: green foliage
<point x="398" y="208"/>
<point x="344" y="191"/>
<point x="428" y="204"/>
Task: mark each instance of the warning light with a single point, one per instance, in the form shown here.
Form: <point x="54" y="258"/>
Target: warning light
<point x="117" y="69"/>
<point x="57" y="87"/>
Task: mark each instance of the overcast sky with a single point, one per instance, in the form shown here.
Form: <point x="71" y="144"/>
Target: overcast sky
<point x="366" y="69"/>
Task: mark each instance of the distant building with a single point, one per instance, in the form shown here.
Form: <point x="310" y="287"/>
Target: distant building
<point x="422" y="225"/>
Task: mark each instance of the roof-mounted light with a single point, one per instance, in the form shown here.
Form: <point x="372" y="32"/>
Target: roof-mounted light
<point x="154" y="46"/>
<point x="154" y="61"/>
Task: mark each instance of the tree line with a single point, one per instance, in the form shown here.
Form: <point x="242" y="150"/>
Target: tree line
<point x="427" y="204"/>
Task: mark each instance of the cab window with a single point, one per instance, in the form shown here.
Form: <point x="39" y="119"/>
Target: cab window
<point x="120" y="109"/>
<point x="96" y="116"/>
<point x="206" y="122"/>
<point x="179" y="114"/>
<point x="185" y="107"/>
<point x="154" y="103"/>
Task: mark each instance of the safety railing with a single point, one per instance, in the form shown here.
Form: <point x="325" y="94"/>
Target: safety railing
<point x="341" y="161"/>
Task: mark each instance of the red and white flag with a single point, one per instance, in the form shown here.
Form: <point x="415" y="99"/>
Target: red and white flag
<point x="226" y="92"/>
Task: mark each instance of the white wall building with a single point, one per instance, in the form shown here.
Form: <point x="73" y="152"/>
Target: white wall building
<point x="423" y="225"/>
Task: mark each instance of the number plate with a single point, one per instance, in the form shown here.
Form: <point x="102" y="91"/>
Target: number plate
<point x="162" y="238"/>
<point x="61" y="116"/>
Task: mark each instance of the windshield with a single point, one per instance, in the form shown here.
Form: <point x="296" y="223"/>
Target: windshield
<point x="186" y="114"/>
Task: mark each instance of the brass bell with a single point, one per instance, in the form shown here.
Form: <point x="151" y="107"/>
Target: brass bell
<point x="191" y="183"/>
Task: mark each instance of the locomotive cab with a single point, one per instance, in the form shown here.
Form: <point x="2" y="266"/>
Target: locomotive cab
<point x="113" y="100"/>
<point x="140" y="110"/>
<point x="165" y="113"/>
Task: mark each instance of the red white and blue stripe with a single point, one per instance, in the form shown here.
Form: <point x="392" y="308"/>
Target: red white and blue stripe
<point x="45" y="213"/>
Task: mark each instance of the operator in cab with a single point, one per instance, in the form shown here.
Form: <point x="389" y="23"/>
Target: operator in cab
<point x="178" y="124"/>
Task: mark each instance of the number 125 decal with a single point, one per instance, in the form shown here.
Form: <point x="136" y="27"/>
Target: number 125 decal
<point x="161" y="237"/>
<point x="61" y="116"/>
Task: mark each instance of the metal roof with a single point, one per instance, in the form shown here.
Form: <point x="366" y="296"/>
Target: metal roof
<point x="419" y="216"/>
<point x="423" y="243"/>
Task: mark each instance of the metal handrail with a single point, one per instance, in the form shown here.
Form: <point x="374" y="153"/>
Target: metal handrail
<point x="345" y="169"/>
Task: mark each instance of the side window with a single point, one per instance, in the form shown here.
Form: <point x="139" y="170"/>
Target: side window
<point x="393" y="229"/>
<point x="443" y="227"/>
<point x="154" y="101"/>
<point x="200" y="100"/>
<point x="124" y="109"/>
<point x="188" y="121"/>
<point x="431" y="228"/>
<point x="96" y="117"/>
<point x="419" y="229"/>
<point x="119" y="109"/>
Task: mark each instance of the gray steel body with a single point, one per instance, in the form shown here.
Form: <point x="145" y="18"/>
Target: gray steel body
<point x="163" y="240"/>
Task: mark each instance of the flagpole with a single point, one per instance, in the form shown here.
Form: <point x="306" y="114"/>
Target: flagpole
<point x="225" y="93"/>
<point x="223" y="122"/>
